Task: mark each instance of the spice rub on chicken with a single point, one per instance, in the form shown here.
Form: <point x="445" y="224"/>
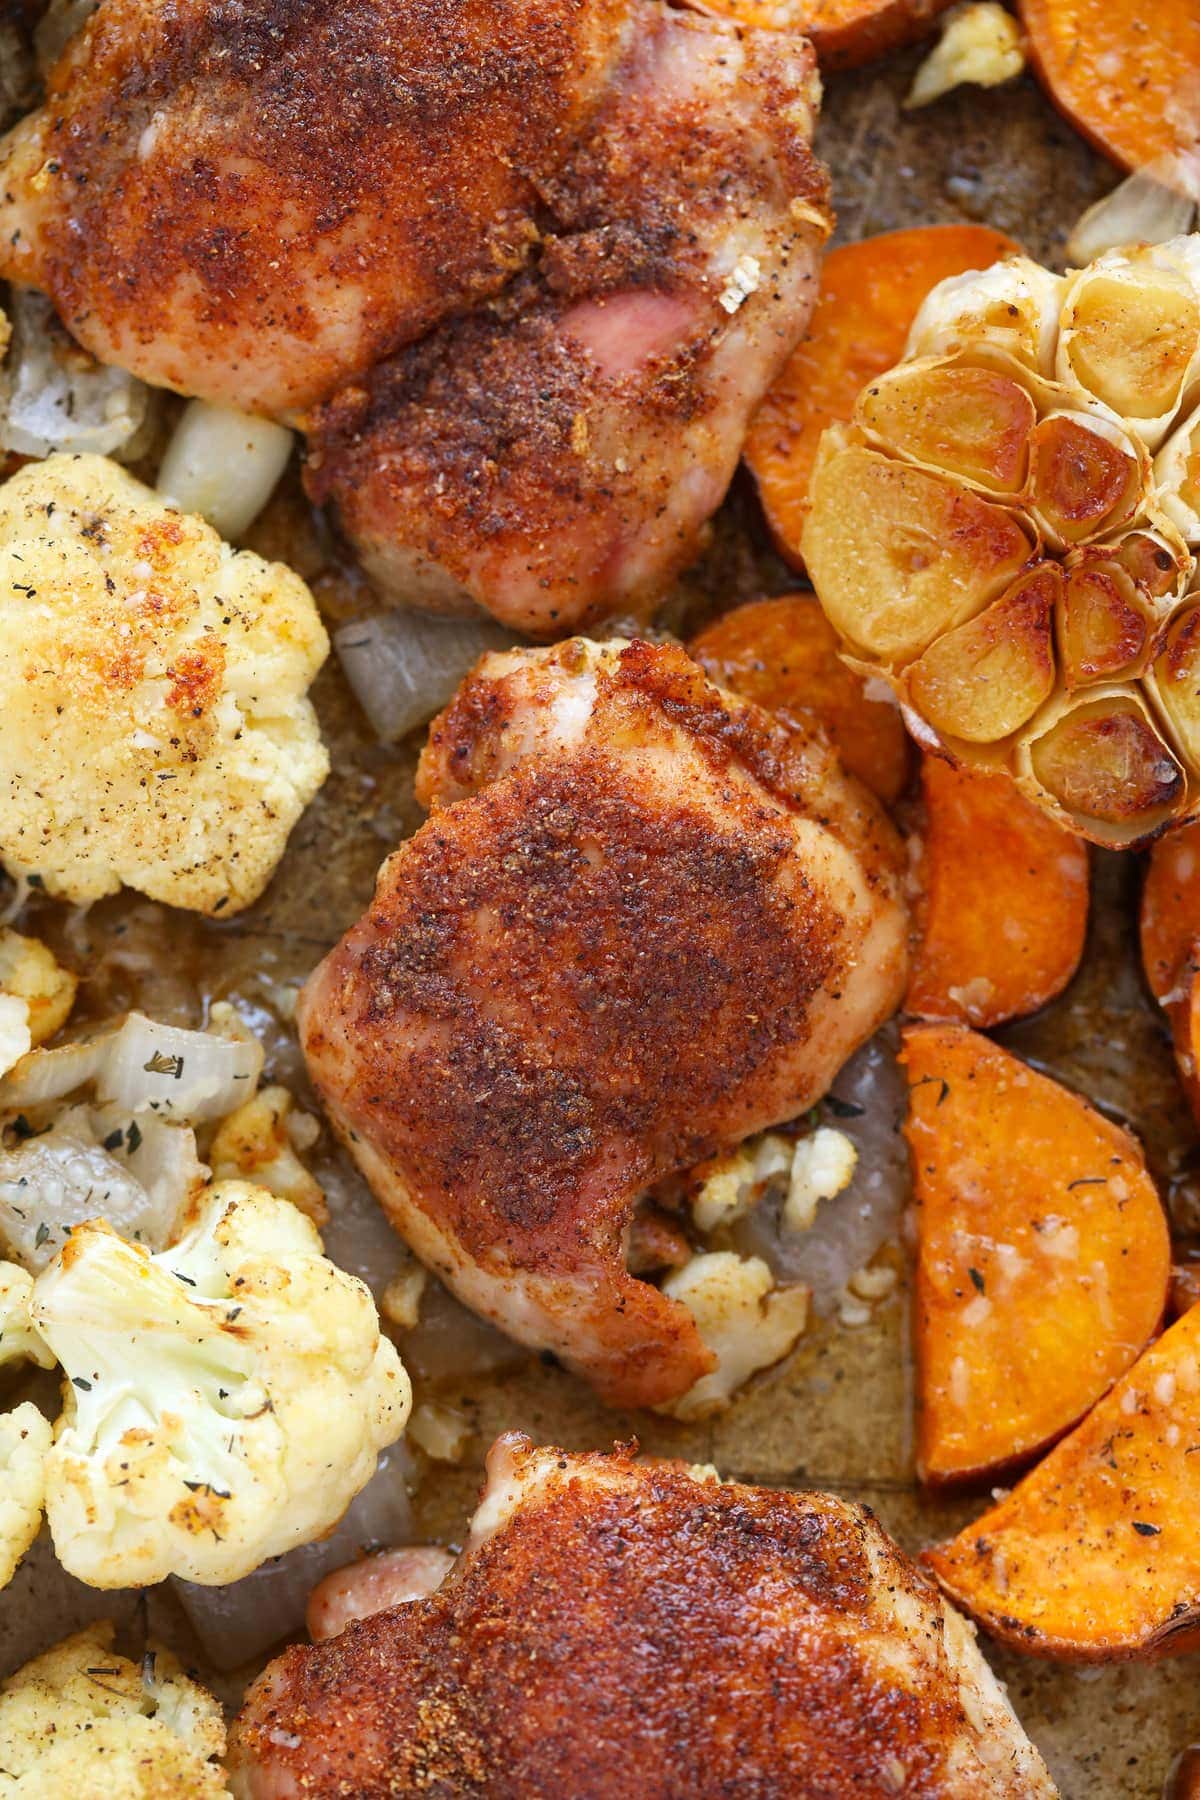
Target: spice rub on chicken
<point x="552" y="455"/>
<point x="251" y="202"/>
<point x="614" y="1627"/>
<point x="643" y="921"/>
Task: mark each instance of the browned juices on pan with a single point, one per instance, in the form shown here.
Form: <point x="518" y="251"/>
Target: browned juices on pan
<point x="643" y="921"/>
<point x="615" y="1628"/>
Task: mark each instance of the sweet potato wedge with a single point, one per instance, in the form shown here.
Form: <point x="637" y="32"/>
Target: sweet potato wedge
<point x="1095" y="1555"/>
<point x="870" y="293"/>
<point x="1002" y="915"/>
<point x="1122" y="71"/>
<point x="783" y="653"/>
<point x="1043" y="1255"/>
<point x="1170" y="914"/>
<point x="1170" y="935"/>
<point x="845" y="33"/>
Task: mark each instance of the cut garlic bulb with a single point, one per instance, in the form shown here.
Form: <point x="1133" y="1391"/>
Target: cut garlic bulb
<point x="994" y="536"/>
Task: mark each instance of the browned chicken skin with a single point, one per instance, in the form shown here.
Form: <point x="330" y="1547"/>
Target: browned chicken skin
<point x="615" y="1629"/>
<point x="250" y="200"/>
<point x="553" y="455"/>
<point x="643" y="922"/>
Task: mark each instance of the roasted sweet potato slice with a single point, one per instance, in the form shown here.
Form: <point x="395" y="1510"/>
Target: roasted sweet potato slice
<point x="1095" y="1555"/>
<point x="1004" y="903"/>
<point x="1170" y="931"/>
<point x="870" y="293"/>
<point x="783" y="653"/>
<point x="1043" y="1255"/>
<point x="1170" y="915"/>
<point x="1123" y="71"/>
<point x="845" y="33"/>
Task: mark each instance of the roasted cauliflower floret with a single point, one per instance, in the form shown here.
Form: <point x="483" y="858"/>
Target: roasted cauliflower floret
<point x="154" y="725"/>
<point x="30" y="971"/>
<point x="225" y="1399"/>
<point x="744" y="1319"/>
<point x="83" y="1720"/>
<point x="18" y="1339"/>
<point x="25" y="1435"/>
<point x="254" y="1143"/>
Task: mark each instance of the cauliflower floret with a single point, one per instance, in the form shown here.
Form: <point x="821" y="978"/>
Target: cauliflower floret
<point x="19" y="1342"/>
<point x="154" y="725"/>
<point x="83" y="1720"/>
<point x="980" y="44"/>
<point x="735" y="1183"/>
<point x="15" y="1037"/>
<point x="253" y="1144"/>
<point x="25" y="1436"/>
<point x="227" y="1398"/>
<point x="30" y="971"/>
<point x="24" y="1433"/>
<point x="822" y="1165"/>
<point x="746" y="1321"/>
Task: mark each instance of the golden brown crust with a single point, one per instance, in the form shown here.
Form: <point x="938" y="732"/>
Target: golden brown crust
<point x="266" y="197"/>
<point x="636" y="1629"/>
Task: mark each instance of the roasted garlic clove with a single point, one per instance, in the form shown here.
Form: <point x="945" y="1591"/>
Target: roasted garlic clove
<point x="1174" y="681"/>
<point x="1102" y="762"/>
<point x="1177" y="478"/>
<point x="1086" y="477"/>
<point x="984" y="680"/>
<point x="899" y="554"/>
<point x="1105" y="626"/>
<point x="1013" y="307"/>
<point x="1130" y="336"/>
<point x="971" y="422"/>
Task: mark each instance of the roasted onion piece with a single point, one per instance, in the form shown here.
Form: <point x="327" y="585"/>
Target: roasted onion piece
<point x="1008" y="531"/>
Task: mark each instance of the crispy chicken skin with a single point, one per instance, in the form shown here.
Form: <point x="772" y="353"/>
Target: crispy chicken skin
<point x="642" y="922"/>
<point x="614" y="1628"/>
<point x="553" y="455"/>
<point x="250" y="200"/>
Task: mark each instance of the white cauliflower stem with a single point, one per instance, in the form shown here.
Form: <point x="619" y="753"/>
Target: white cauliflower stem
<point x="154" y="726"/>
<point x="226" y="1398"/>
<point x="82" y="1720"/>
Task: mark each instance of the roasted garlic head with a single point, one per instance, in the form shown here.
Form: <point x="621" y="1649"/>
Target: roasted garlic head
<point x="1007" y="532"/>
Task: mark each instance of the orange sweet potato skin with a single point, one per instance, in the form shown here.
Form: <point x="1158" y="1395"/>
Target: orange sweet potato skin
<point x="1095" y="1555"/>
<point x="1170" y="938"/>
<point x="1122" y="71"/>
<point x="783" y="654"/>
<point x="870" y="293"/>
<point x="1003" y="909"/>
<point x="1043" y="1254"/>
<point x="844" y="33"/>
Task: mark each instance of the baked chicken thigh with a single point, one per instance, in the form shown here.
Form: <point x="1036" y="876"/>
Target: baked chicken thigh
<point x="553" y="454"/>
<point x="614" y="1627"/>
<point x="251" y="201"/>
<point x="522" y="267"/>
<point x="643" y="921"/>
